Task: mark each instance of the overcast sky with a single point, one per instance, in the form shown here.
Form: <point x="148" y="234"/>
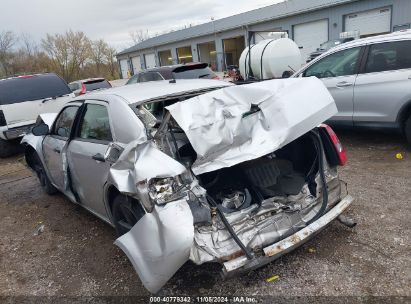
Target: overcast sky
<point x="112" y="20"/>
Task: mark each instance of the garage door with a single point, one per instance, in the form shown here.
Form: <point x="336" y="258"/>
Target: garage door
<point x="124" y="68"/>
<point x="376" y="21"/>
<point x="310" y="35"/>
<point x="150" y="60"/>
<point x="136" y="64"/>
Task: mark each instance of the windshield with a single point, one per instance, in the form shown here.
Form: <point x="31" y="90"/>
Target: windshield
<point x="329" y="44"/>
<point x="97" y="84"/>
<point x="193" y="73"/>
<point x="33" y="87"/>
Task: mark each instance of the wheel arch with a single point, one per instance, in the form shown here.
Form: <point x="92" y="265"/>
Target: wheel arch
<point x="29" y="153"/>
<point x="111" y="193"/>
<point x="403" y="114"/>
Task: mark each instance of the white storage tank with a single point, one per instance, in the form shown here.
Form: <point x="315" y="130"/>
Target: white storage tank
<point x="272" y="57"/>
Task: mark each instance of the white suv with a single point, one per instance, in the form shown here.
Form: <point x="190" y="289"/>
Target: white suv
<point x="370" y="80"/>
<point x="22" y="99"/>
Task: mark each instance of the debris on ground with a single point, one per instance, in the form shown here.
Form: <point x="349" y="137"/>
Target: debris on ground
<point x="39" y="230"/>
<point x="272" y="279"/>
<point x="312" y="250"/>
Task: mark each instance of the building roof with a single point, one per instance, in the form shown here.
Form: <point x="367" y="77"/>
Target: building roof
<point x="271" y="12"/>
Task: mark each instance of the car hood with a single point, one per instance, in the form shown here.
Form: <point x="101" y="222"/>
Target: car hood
<point x="241" y="123"/>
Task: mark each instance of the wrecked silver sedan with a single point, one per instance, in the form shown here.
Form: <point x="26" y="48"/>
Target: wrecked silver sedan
<point x="198" y="170"/>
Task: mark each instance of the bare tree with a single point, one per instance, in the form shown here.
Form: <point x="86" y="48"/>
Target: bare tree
<point x="28" y="45"/>
<point x="69" y="52"/>
<point x="7" y="41"/>
<point x="98" y="54"/>
<point x="138" y="36"/>
<point x="110" y="55"/>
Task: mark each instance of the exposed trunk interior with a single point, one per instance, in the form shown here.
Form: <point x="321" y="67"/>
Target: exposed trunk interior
<point x="281" y="173"/>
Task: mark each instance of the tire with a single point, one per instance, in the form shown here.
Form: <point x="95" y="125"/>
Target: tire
<point x="42" y="175"/>
<point x="126" y="213"/>
<point x="407" y="130"/>
<point x="9" y="148"/>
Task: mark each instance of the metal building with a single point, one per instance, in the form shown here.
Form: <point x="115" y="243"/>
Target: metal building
<point x="308" y="22"/>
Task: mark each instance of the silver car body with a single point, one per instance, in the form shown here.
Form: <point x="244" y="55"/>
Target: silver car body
<point x="375" y="99"/>
<point x="215" y="124"/>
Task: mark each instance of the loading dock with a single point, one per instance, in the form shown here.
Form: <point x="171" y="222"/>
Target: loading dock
<point x="184" y="54"/>
<point x="310" y="35"/>
<point x="207" y="53"/>
<point x="233" y="47"/>
<point x="369" y="23"/>
<point x="135" y="61"/>
<point x="165" y="57"/>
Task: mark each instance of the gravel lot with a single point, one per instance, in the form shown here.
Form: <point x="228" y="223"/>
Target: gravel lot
<point x="75" y="255"/>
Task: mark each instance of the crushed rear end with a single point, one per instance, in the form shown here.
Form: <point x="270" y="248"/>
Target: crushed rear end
<point x="251" y="175"/>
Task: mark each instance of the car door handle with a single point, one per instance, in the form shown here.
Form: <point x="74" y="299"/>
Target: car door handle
<point x="57" y="150"/>
<point x="343" y="84"/>
<point x="98" y="157"/>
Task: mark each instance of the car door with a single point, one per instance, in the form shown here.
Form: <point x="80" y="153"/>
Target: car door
<point x="384" y="84"/>
<point x="338" y="71"/>
<point x="85" y="155"/>
<point x="54" y="143"/>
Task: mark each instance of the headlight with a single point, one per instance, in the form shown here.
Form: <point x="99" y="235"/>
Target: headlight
<point x="164" y="190"/>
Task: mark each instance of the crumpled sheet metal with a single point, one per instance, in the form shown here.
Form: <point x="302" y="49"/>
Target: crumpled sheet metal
<point x="223" y="136"/>
<point x="159" y="244"/>
<point x="142" y="161"/>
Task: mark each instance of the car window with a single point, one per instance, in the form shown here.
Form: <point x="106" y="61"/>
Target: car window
<point x="74" y="86"/>
<point x="194" y="73"/>
<point x="150" y="76"/>
<point x="64" y="122"/>
<point x="31" y="87"/>
<point x="389" y="56"/>
<point x="97" y="84"/>
<point x="133" y="79"/>
<point x="337" y="64"/>
<point x="95" y="123"/>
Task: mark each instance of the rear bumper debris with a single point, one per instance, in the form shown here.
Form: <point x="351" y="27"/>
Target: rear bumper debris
<point x="274" y="251"/>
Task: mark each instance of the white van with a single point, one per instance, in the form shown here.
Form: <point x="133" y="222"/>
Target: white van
<point x="22" y="99"/>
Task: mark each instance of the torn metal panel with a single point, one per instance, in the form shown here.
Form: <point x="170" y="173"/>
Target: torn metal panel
<point x="141" y="161"/>
<point x="241" y="123"/>
<point x="159" y="244"/>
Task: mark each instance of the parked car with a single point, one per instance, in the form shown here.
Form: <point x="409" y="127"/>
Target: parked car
<point x="179" y="71"/>
<point x="80" y="87"/>
<point x="324" y="47"/>
<point x="199" y="170"/>
<point x="370" y="80"/>
<point x="22" y="99"/>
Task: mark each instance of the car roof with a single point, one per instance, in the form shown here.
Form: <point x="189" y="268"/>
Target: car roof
<point x="142" y="92"/>
<point x="28" y="76"/>
<point x="172" y="67"/>
<point x="400" y="35"/>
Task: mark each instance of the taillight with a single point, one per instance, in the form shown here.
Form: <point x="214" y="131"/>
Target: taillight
<point x="83" y="89"/>
<point x="3" y="121"/>
<point x="342" y="155"/>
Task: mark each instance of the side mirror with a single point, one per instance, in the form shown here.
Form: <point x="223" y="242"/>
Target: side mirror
<point x="287" y="74"/>
<point x="40" y="130"/>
